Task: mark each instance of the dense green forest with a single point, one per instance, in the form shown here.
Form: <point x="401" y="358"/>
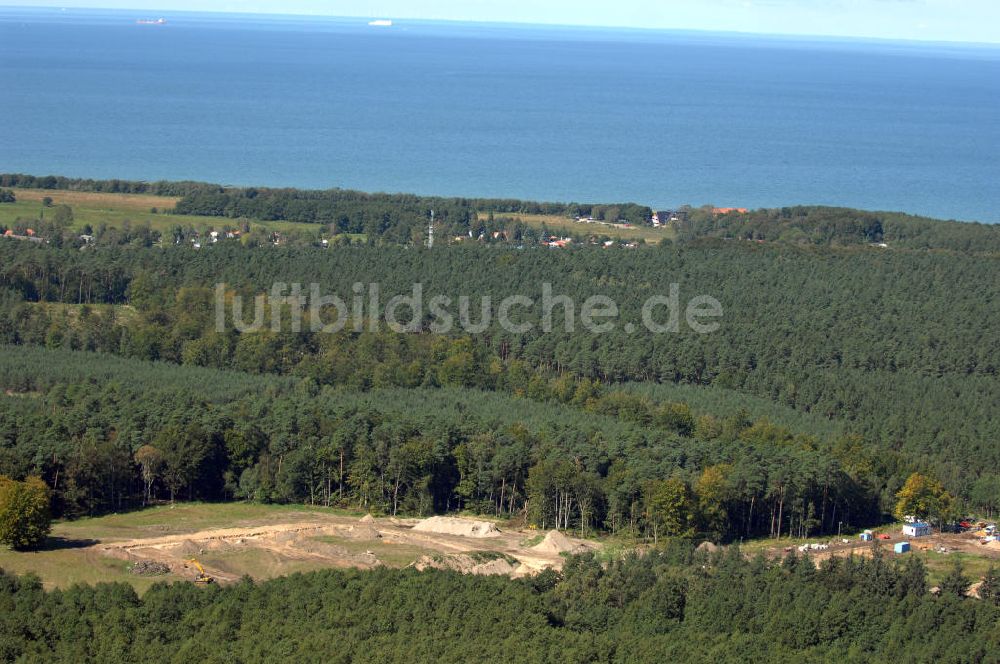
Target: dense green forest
<point x="837" y="371"/>
<point x="894" y="349"/>
<point x="898" y="347"/>
<point x="671" y="605"/>
<point x="109" y="433"/>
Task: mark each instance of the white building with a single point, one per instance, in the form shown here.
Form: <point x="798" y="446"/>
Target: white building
<point x="917" y="529"/>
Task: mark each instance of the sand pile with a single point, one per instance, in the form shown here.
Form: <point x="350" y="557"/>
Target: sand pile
<point x="449" y="525"/>
<point x="555" y="543"/>
<point x="189" y="548"/>
<point x="468" y="564"/>
<point x="362" y="531"/>
<point x="496" y="567"/>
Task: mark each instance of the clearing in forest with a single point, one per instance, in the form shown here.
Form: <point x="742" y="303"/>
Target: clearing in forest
<point x="234" y="540"/>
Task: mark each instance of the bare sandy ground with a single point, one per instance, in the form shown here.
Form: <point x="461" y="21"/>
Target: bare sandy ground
<point x="322" y="540"/>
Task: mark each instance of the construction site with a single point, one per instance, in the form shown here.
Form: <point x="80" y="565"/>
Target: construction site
<point x="975" y="545"/>
<point x="321" y="540"/>
<point x="221" y="543"/>
<point x="975" y="541"/>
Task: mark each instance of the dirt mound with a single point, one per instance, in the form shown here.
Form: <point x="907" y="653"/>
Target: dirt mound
<point x="363" y="531"/>
<point x="189" y="548"/>
<point x="993" y="544"/>
<point x="431" y="562"/>
<point x="708" y="547"/>
<point x="497" y="567"/>
<point x="367" y="518"/>
<point x="555" y="543"/>
<point x="449" y="525"/>
<point x="479" y="564"/>
<point x="149" y="568"/>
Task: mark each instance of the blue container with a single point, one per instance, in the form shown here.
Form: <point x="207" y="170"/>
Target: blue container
<point x="901" y="547"/>
<point x="866" y="537"/>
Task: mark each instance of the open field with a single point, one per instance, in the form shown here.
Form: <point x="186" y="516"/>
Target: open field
<point x="73" y="554"/>
<point x="98" y="200"/>
<point x="94" y="209"/>
<point x="562" y="224"/>
<point x="236" y="539"/>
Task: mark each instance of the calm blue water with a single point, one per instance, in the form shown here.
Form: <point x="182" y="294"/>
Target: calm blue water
<point x="553" y="114"/>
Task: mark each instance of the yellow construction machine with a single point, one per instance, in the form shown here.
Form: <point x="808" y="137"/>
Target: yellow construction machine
<point x="202" y="578"/>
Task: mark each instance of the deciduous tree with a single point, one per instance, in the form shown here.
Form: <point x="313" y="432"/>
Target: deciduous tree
<point x="923" y="497"/>
<point x="25" y="516"/>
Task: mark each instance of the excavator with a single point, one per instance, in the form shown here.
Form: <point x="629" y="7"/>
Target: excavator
<point x="203" y="578"/>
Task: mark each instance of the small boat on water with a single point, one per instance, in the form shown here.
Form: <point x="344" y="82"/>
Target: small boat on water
<point x="151" y="21"/>
<point x="380" y="23"/>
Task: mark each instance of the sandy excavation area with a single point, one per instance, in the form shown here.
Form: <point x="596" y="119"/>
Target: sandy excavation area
<point x="328" y="541"/>
<point x="944" y="543"/>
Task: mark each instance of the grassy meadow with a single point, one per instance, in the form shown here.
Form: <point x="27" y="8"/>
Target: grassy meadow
<point x="68" y="557"/>
<point x="560" y="224"/>
<point x="113" y="210"/>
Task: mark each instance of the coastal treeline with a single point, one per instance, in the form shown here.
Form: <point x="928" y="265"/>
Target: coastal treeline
<point x="832" y="226"/>
<point x="669" y="605"/>
<point x="59" y="182"/>
<point x="403" y="218"/>
<point x="353" y="211"/>
<point x="349" y="211"/>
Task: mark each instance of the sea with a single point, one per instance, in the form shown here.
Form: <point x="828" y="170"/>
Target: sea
<point x="661" y="118"/>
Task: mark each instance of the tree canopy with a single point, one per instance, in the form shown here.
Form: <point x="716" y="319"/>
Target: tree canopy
<point x="25" y="516"/>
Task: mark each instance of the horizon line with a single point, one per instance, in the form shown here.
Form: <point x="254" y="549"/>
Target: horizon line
<point x="524" y="24"/>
